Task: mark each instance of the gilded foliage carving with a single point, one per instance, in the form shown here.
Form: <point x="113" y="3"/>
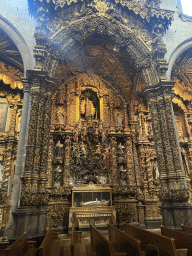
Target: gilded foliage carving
<point x="126" y="212"/>
<point x="57" y="215"/>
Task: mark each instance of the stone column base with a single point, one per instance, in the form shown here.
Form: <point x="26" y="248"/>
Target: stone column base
<point x="29" y="219"/>
<point x="175" y="214"/>
<point x="153" y="223"/>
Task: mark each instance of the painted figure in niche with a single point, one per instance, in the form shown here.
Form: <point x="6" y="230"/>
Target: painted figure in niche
<point x="58" y="149"/>
<point x="57" y="176"/>
<point x="119" y="119"/>
<point x="60" y="115"/>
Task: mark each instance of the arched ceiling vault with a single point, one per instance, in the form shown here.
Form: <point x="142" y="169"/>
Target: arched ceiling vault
<point x="182" y="76"/>
<point x="105" y="59"/>
<point x="71" y="27"/>
<point x="9" y="54"/>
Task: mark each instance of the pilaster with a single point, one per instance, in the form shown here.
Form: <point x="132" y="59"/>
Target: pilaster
<point x="174" y="193"/>
<point x="66" y="173"/>
<point x="113" y="162"/>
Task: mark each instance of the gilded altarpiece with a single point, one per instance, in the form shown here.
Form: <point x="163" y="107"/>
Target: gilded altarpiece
<point x="96" y="137"/>
<point x="11" y="101"/>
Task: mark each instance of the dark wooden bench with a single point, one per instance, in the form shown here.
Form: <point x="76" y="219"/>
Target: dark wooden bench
<point x="165" y="244"/>
<point x="77" y="244"/>
<point x="50" y="245"/>
<point x="182" y="240"/>
<point x="21" y="247"/>
<point x="102" y="245"/>
<point x="186" y="229"/>
<point x="124" y="243"/>
<point x="3" y="246"/>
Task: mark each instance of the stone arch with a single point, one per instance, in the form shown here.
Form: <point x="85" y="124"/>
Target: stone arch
<point x="19" y="41"/>
<point x="175" y="54"/>
<point x="77" y="33"/>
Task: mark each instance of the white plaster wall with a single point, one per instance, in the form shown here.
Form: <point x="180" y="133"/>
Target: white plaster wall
<point x="178" y="34"/>
<point x="16" y="12"/>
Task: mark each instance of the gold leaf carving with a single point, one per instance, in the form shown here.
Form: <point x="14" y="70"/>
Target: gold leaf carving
<point x="180" y="89"/>
<point x="10" y="75"/>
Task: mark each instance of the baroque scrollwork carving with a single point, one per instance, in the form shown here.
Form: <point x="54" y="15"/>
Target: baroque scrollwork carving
<point x="32" y="197"/>
<point x="57" y="215"/>
<point x="126" y="212"/>
<point x="124" y="192"/>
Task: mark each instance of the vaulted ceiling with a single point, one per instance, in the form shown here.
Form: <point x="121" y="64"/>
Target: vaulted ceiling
<point x="9" y="54"/>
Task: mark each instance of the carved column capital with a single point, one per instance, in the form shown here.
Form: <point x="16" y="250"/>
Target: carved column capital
<point x="162" y="88"/>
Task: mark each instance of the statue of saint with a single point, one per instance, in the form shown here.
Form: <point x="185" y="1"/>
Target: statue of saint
<point x="60" y="115"/>
<point x="155" y="172"/>
<point x="57" y="176"/>
<point x="119" y="119"/>
<point x="120" y="149"/>
<point x="58" y="149"/>
<point x="18" y="120"/>
<point x="87" y="107"/>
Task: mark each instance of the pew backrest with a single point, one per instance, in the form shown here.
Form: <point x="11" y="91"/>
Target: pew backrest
<point x="182" y="240"/>
<point x="44" y="248"/>
<point x="186" y="229"/>
<point x="124" y="242"/>
<point x="165" y="244"/>
<point x="100" y="243"/>
<point x="19" y="247"/>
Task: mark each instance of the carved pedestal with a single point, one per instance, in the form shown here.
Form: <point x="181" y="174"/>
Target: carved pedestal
<point x="30" y="219"/>
<point x="153" y="217"/>
<point x="141" y="214"/>
<point x="175" y="214"/>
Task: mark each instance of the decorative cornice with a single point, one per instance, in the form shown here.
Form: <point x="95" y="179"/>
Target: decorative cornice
<point x="146" y="13"/>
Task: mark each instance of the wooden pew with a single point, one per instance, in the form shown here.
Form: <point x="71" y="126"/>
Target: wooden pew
<point x="124" y="242"/>
<point x="21" y="247"/>
<point x="102" y="245"/>
<point x="50" y="245"/>
<point x="77" y="244"/>
<point x="3" y="246"/>
<point x="165" y="244"/>
<point x="186" y="229"/>
<point x="182" y="240"/>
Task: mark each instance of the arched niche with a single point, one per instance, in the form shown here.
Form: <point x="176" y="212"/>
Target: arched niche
<point x="89" y="105"/>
